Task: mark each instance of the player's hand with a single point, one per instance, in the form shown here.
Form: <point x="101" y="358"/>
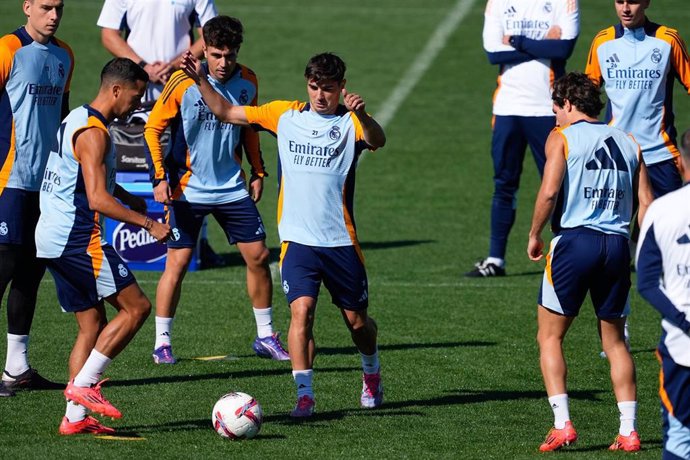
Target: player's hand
<point x="161" y="192"/>
<point x="554" y="33"/>
<point x="506" y="40"/>
<point x="164" y="71"/>
<point x="153" y="69"/>
<point x="137" y="203"/>
<point x="192" y="67"/>
<point x="256" y="188"/>
<point x="353" y="102"/>
<point x="160" y="231"/>
<point x="535" y="248"/>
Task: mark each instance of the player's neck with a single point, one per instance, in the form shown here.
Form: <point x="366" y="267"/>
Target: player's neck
<point x="36" y="35"/>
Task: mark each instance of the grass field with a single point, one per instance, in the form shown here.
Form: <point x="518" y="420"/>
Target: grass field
<point x="460" y="362"/>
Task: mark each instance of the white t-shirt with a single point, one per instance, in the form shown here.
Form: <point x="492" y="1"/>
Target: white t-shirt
<point x="159" y="29"/>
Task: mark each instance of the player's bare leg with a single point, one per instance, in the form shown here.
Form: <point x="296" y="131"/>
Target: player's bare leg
<point x="552" y="329"/>
<point x="167" y="299"/>
<point x="363" y="331"/>
<point x="623" y="378"/>
<point x="302" y="353"/>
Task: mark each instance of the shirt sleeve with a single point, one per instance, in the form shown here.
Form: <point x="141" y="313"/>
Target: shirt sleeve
<point x="205" y="10"/>
<point x="112" y="14"/>
<point x="650" y="273"/>
<point x="679" y="55"/>
<point x="593" y="69"/>
<point x="8" y="46"/>
<point x="266" y="116"/>
<point x="569" y="20"/>
<point x="167" y="107"/>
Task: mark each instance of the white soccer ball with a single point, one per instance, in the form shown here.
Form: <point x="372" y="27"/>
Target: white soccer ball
<point x="237" y="416"/>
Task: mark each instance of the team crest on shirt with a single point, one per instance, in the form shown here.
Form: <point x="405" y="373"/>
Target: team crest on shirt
<point x="334" y="133"/>
<point x="244" y="97"/>
<point x="548" y="7"/>
<point x="656" y="56"/>
<point x="286" y="287"/>
<point x="3" y="228"/>
<point x="122" y="270"/>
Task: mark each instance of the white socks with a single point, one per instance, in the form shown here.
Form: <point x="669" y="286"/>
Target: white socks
<point x="93" y="369"/>
<point x="496" y="261"/>
<point x="17" y="354"/>
<point x="264" y="321"/>
<point x="303" y="381"/>
<point x="75" y="412"/>
<point x="370" y="363"/>
<point x="559" y="406"/>
<point x="163" y="331"/>
<point x="628" y="417"/>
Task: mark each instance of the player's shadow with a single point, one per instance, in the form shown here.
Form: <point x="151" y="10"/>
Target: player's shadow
<point x="647" y="444"/>
<point x="234" y="258"/>
<point x="457" y="397"/>
<point x="136" y="431"/>
<point x="217" y="376"/>
<point x="407" y="346"/>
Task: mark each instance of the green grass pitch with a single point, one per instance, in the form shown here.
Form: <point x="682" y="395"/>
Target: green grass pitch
<point x="459" y="358"/>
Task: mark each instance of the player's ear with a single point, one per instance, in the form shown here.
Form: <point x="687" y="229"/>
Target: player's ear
<point x="205" y="50"/>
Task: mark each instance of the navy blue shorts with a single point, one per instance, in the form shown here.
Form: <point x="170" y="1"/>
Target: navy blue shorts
<point x="675" y="405"/>
<point x="19" y="212"/>
<point x="240" y="220"/>
<point x="582" y="260"/>
<point x="665" y="177"/>
<point x="84" y="280"/>
<point x="341" y="269"/>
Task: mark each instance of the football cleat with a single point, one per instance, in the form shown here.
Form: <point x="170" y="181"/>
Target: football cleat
<point x="484" y="269"/>
<point x="304" y="408"/>
<point x="29" y="380"/>
<point x="556" y="438"/>
<point x="630" y="443"/>
<point x="270" y="347"/>
<point x="372" y="390"/>
<point x="5" y="392"/>
<point x="163" y="355"/>
<point x="92" y="398"/>
<point x="88" y="425"/>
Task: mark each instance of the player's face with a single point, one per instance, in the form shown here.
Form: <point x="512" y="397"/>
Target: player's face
<point x="324" y="96"/>
<point x="43" y="18"/>
<point x="128" y="97"/>
<point x="631" y="12"/>
<point x="221" y="61"/>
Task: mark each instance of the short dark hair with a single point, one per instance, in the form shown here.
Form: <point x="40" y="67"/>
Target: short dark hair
<point x="325" y="66"/>
<point x="123" y="70"/>
<point x="685" y="144"/>
<point x="223" y="31"/>
<point x="581" y="91"/>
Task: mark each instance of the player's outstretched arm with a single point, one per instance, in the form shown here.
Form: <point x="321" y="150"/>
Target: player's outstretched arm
<point x="554" y="172"/>
<point x="221" y="108"/>
<point x="645" y="193"/>
<point x="373" y="132"/>
<point x="90" y="148"/>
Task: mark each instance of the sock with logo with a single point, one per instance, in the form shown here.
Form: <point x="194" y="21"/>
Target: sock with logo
<point x="559" y="406"/>
<point x="628" y="418"/>
<point x="75" y="412"/>
<point x="370" y="363"/>
<point x="17" y="354"/>
<point x="163" y="331"/>
<point x="92" y="370"/>
<point x="264" y="321"/>
<point x="303" y="381"/>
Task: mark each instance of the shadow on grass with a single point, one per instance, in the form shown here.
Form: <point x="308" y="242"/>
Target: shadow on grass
<point x="457" y="397"/>
<point x="406" y="346"/>
<point x="235" y="258"/>
<point x="647" y="444"/>
<point x="217" y="376"/>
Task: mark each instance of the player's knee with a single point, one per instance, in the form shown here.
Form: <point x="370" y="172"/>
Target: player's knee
<point x="258" y="258"/>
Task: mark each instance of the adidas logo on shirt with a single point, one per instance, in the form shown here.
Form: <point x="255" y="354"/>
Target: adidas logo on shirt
<point x="685" y="239"/>
<point x="613" y="61"/>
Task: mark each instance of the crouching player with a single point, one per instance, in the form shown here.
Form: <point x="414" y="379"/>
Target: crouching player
<point x="78" y="190"/>
<point x="663" y="279"/>
<point x="319" y="143"/>
<point x="599" y="168"/>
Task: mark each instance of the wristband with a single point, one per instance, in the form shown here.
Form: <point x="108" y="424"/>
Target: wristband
<point x="142" y="63"/>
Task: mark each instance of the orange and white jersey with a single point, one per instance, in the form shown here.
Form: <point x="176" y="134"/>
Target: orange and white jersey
<point x="637" y="67"/>
<point x="67" y="224"/>
<point x="34" y="83"/>
<point x="317" y="163"/>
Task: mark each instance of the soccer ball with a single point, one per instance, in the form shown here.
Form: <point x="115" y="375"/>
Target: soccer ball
<point x="237" y="416"/>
